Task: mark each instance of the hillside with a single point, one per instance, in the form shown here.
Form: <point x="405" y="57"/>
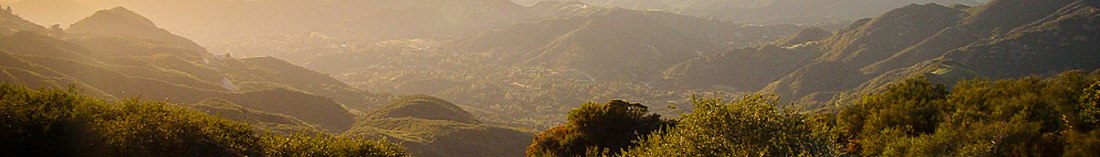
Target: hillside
<point x="1010" y="48"/>
<point x="64" y="123"/>
<point x="10" y="23"/>
<point x="115" y="80"/>
<point x="430" y="126"/>
<point x="267" y="72"/>
<point x="745" y="69"/>
<point x="423" y="107"/>
<point x="1062" y="41"/>
<point x="863" y="43"/>
<point x="987" y="21"/>
<point x="769" y="11"/>
<point x="51" y="12"/>
<point x="803" y="36"/>
<point x="941" y="43"/>
<point x="120" y="21"/>
<point x="124" y="66"/>
<point x="591" y="44"/>
<point x="748" y="69"/>
<point x="269" y="121"/>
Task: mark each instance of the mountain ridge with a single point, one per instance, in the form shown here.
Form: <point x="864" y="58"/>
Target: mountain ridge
<point x="123" y="22"/>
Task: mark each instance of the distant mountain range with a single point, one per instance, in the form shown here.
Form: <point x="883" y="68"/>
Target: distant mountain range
<point x="219" y="20"/>
<point x="215" y="21"/>
<point x="595" y="43"/>
<point x="999" y="40"/>
<point x="51" y="12"/>
<point x="770" y="11"/>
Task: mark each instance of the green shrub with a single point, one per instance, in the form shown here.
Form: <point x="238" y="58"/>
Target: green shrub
<point x="597" y="129"/>
<point x="912" y="107"/>
<point x="1024" y="117"/>
<point x="750" y="126"/>
<point x="325" y="145"/>
<point x="64" y="123"/>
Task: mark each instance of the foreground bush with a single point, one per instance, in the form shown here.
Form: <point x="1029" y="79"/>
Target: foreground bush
<point x="64" y="123"/>
<point x="1057" y="116"/>
<point x="597" y="129"/>
<point x="750" y="126"/>
<point x="1025" y="117"/>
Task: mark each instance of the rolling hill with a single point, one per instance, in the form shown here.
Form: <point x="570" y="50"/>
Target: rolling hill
<point x="429" y="126"/>
<point x="120" y="21"/>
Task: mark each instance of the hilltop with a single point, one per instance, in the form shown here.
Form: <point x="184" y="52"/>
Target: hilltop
<point x="120" y="21"/>
<point x="10" y="23"/>
<point x="430" y="126"/>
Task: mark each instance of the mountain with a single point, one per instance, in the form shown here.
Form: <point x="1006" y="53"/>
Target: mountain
<point x="114" y="78"/>
<point x="750" y="68"/>
<point x="593" y="44"/>
<point x="211" y="22"/>
<point x="863" y="43"/>
<point x="820" y="55"/>
<point x="1064" y="40"/>
<point x="989" y="20"/>
<point x="429" y="126"/>
<point x="114" y="66"/>
<point x="51" y="12"/>
<point x="744" y="69"/>
<point x="1026" y="45"/>
<point x="769" y="11"/>
<point x="11" y="23"/>
<point x="1002" y="39"/>
<point x="120" y="21"/>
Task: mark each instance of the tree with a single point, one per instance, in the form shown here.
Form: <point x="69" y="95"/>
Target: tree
<point x="1024" y="117"/>
<point x="912" y="107"/>
<point x="597" y="129"/>
<point x="751" y="126"/>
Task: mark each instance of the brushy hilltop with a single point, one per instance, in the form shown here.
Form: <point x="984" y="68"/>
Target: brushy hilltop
<point x="1056" y="116"/>
<point x="65" y="123"/>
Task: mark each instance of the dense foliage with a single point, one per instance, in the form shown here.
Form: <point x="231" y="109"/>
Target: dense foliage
<point x="64" y="123"/>
<point x="750" y="126"/>
<point x="598" y="129"/>
<point x="1057" y="116"/>
<point x="1025" y="117"/>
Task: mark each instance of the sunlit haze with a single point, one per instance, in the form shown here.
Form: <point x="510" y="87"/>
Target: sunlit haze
<point x="549" y="78"/>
